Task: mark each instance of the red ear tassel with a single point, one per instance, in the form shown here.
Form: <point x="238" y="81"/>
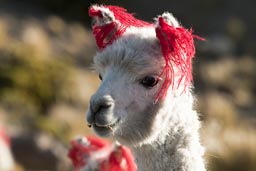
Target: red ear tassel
<point x="108" y="32"/>
<point x="177" y="45"/>
<point x="131" y="166"/>
<point x="80" y="153"/>
<point x="121" y="159"/>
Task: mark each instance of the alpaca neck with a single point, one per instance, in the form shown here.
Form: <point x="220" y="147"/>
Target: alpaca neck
<point x="177" y="146"/>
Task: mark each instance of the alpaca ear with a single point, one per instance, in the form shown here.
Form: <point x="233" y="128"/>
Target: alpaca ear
<point x="177" y="45"/>
<point x="101" y="15"/>
<point x="110" y="22"/>
<point x="169" y="19"/>
<point x="104" y="25"/>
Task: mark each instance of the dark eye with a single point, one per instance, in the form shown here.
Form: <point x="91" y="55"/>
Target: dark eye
<point x="149" y="81"/>
<point x="100" y="77"/>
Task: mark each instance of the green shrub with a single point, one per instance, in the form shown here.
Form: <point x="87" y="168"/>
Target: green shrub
<point x="27" y="79"/>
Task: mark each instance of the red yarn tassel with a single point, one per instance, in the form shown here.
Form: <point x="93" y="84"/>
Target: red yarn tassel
<point x="80" y="153"/>
<point x="108" y="32"/>
<point x="121" y="159"/>
<point x="177" y="45"/>
<point x="131" y="166"/>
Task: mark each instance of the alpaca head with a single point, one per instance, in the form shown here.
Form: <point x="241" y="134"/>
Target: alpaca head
<point x="141" y="65"/>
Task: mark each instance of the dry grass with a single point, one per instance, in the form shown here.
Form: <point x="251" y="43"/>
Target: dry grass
<point x="228" y="107"/>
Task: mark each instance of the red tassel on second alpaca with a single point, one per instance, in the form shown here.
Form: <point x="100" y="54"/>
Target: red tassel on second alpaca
<point x="80" y="153"/>
<point x="4" y="136"/>
<point x="177" y="45"/>
<point x="121" y="159"/>
<point x="84" y="152"/>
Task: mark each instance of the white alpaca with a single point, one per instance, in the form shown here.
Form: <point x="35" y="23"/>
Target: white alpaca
<point x="6" y="160"/>
<point x="162" y="133"/>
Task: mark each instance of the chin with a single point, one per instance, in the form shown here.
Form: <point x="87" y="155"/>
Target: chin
<point x="129" y="139"/>
<point x="103" y="131"/>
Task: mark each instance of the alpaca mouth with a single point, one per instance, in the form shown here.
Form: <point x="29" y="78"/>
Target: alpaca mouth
<point x="104" y="130"/>
<point x="110" y="127"/>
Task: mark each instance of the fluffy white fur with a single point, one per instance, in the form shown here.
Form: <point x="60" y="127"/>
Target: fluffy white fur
<point x="163" y="136"/>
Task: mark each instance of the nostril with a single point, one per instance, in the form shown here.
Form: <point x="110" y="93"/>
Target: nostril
<point x="100" y="106"/>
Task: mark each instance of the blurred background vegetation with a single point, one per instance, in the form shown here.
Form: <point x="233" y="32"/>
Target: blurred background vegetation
<point x="46" y="50"/>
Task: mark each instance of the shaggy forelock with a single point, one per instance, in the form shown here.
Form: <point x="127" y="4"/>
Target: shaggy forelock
<point x="132" y="53"/>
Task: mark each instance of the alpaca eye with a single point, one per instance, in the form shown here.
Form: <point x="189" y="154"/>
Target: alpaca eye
<point x="100" y="77"/>
<point x="149" y="81"/>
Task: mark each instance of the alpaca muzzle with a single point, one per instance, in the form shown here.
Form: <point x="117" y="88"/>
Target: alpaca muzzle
<point x="100" y="115"/>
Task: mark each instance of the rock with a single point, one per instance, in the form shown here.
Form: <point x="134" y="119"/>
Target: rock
<point x="37" y="152"/>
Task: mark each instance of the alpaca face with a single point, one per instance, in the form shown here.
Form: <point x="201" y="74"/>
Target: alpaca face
<point x="123" y="106"/>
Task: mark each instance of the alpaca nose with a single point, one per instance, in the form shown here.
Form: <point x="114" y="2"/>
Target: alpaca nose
<point x="102" y="104"/>
<point x="99" y="109"/>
